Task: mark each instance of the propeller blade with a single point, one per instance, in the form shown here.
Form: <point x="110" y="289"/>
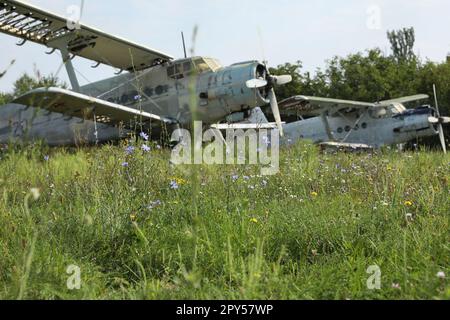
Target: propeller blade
<point x="441" y="120"/>
<point x="256" y="83"/>
<point x="436" y="101"/>
<point x="281" y="80"/>
<point x="275" y="110"/>
<point x="444" y="120"/>
<point x="442" y="138"/>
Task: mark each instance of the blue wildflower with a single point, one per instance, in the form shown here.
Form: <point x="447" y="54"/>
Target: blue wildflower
<point x="125" y="164"/>
<point x="235" y="178"/>
<point x="145" y="148"/>
<point x="144" y="136"/>
<point x="174" y="185"/>
<point x="46" y="158"/>
<point x="129" y="150"/>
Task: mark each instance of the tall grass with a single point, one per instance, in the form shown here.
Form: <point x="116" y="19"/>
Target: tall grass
<point x="309" y="232"/>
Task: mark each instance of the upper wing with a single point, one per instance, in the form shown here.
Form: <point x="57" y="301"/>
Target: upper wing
<point x="314" y="106"/>
<point x="81" y="106"/>
<point x="31" y="23"/>
<point x="405" y="99"/>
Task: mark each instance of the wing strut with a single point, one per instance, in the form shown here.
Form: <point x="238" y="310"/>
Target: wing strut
<point x="70" y="69"/>
<point x="330" y="134"/>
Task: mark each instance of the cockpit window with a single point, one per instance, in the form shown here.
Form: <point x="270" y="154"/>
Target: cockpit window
<point x="198" y="65"/>
<point x="206" y="65"/>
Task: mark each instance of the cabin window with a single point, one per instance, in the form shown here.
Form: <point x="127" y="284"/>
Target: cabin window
<point x="124" y="98"/>
<point x="148" y="92"/>
<point x="178" y="69"/>
<point x="364" y="125"/>
<point x="159" y="90"/>
<point x="348" y="129"/>
<point x="187" y="67"/>
<point x="340" y="130"/>
<point x="171" y="71"/>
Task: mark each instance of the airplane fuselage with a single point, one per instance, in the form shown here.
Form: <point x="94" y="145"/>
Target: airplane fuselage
<point x="176" y="90"/>
<point x="370" y="130"/>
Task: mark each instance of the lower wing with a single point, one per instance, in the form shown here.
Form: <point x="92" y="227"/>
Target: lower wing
<point x="82" y="106"/>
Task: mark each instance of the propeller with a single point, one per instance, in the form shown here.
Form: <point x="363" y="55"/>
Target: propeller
<point x="269" y="84"/>
<point x="440" y="121"/>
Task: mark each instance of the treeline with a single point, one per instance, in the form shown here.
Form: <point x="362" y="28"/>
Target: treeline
<point x="372" y="75"/>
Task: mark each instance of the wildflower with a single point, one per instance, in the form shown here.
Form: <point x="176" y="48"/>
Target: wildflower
<point x="144" y="136"/>
<point x="36" y="193"/>
<point x="46" y="158"/>
<point x="409" y="203"/>
<point x="179" y="181"/>
<point x="125" y="164"/>
<point x="314" y="252"/>
<point x="440" y="275"/>
<point x="314" y="194"/>
<point x="254" y="220"/>
<point x="246" y="178"/>
<point x="145" y="148"/>
<point x="409" y="216"/>
<point x="174" y="185"/>
<point x="133" y="217"/>
<point x="264" y="183"/>
<point x="129" y="150"/>
<point x="158" y="147"/>
<point x="154" y="204"/>
<point x="396" y="286"/>
<point x="235" y="178"/>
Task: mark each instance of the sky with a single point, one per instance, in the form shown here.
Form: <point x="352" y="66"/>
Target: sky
<point x="240" y="30"/>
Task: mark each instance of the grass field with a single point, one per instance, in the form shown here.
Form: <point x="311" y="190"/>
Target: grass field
<point x="310" y="232"/>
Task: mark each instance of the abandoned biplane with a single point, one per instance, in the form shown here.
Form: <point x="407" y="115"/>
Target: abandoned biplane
<point x="155" y="94"/>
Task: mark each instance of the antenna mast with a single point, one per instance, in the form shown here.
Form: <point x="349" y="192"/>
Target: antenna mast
<point x="184" y="45"/>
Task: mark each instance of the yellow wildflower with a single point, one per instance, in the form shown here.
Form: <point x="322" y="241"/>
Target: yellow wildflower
<point x="254" y="220"/>
<point x="314" y="194"/>
<point x="409" y="203"/>
<point x="179" y="181"/>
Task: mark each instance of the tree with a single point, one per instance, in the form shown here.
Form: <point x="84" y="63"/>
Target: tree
<point x="295" y="86"/>
<point x="26" y="83"/>
<point x="402" y="43"/>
